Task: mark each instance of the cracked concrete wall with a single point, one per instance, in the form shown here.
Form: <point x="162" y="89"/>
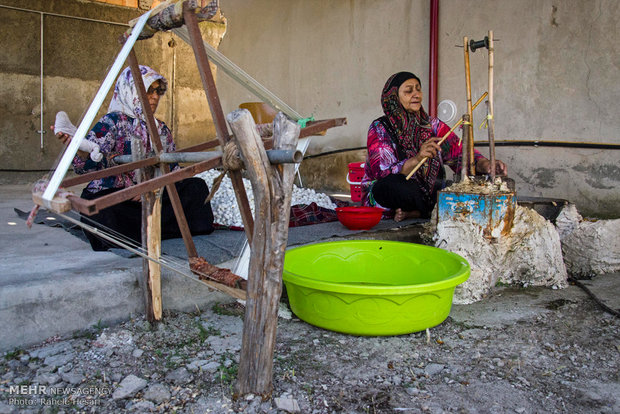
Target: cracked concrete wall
<point x="557" y="67"/>
<point x="556" y="75"/>
<point x="77" y="53"/>
<point x="328" y="59"/>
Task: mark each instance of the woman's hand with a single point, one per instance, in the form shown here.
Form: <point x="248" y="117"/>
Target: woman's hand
<point x="428" y="149"/>
<point x="65" y="139"/>
<point x="483" y="166"/>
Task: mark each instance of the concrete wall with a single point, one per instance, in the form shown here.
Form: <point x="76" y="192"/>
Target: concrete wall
<point x="77" y="53"/>
<point x="557" y="70"/>
<point x="556" y="77"/>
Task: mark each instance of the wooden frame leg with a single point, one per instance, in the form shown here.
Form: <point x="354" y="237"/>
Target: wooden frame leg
<point x="151" y="242"/>
<point x="272" y="195"/>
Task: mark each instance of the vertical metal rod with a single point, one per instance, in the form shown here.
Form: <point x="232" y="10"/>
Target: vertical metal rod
<point x="490" y="116"/>
<point x="432" y="83"/>
<point x="173" y="124"/>
<point x="41" y="131"/>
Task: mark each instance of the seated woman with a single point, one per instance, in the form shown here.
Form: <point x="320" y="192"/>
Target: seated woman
<point x="114" y="133"/>
<point x="398" y="141"/>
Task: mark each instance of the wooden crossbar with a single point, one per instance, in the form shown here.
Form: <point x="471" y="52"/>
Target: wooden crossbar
<point x="90" y="207"/>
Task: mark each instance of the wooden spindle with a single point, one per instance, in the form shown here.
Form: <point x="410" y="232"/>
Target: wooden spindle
<point x="490" y="115"/>
<point x="465" y="149"/>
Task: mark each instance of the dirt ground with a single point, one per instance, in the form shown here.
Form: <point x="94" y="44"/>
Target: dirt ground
<point x="531" y="350"/>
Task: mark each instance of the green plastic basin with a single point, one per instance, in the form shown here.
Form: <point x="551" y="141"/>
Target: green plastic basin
<point x="372" y="287"/>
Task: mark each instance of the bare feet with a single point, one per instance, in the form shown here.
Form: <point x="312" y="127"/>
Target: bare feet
<point x="402" y="215"/>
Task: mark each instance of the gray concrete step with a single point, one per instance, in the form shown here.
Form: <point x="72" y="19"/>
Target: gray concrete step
<point x="52" y="283"/>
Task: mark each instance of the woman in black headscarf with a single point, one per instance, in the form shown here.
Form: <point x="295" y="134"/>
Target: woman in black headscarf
<point x="398" y="141"/>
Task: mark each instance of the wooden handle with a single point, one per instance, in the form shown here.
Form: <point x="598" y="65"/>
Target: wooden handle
<point x="417" y="167"/>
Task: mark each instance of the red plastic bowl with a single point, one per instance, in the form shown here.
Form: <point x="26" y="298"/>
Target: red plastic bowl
<point x="359" y="218"/>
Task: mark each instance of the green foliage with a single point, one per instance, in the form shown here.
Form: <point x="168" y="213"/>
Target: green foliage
<point x="228" y="309"/>
<point x="99" y="326"/>
<point x="204" y="333"/>
<point x="228" y="374"/>
<point x="14" y="354"/>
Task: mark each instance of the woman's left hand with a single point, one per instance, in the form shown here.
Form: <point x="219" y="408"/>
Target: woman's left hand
<point x="483" y="166"/>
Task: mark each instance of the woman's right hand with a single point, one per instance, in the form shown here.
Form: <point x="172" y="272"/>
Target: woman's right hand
<point x="428" y="149"/>
<point x="64" y="138"/>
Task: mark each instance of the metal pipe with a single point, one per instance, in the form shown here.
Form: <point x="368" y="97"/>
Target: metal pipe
<point x="557" y="144"/>
<point x="294" y="156"/>
<point x="275" y="157"/>
<point x="41" y="131"/>
<point x="432" y="84"/>
<point x="172" y="157"/>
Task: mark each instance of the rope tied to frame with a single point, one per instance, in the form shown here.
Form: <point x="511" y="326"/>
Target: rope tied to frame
<point x="302" y="122"/>
<point x="485" y="122"/>
<point x="463" y="125"/>
<point x="231" y="161"/>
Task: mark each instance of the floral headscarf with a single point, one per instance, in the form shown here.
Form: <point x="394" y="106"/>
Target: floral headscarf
<point x="409" y="130"/>
<point x="126" y="100"/>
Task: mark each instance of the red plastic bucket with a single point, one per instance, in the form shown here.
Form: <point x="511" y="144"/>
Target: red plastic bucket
<point x="354" y="178"/>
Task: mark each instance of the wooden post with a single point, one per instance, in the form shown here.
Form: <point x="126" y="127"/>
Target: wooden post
<point x="470" y="153"/>
<point x="272" y="187"/>
<point x="490" y="118"/>
<point x="465" y="149"/>
<point x="150" y="282"/>
<point x="151" y="242"/>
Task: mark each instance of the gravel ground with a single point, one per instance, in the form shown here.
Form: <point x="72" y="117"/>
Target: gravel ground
<point x="560" y="357"/>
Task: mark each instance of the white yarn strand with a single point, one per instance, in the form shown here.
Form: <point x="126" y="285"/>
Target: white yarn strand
<point x="65" y="161"/>
<point x="175" y="265"/>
